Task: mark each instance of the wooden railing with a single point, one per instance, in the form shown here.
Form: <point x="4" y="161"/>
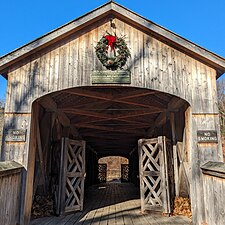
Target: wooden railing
<point x="10" y="185"/>
<point x="214" y="192"/>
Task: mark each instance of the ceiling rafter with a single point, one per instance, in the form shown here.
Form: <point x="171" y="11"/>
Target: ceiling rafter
<point x="94" y="120"/>
<point x="113" y="126"/>
<point x="173" y="105"/>
<point x="111" y="116"/>
<point x="112" y="119"/>
<point x="121" y="130"/>
<point x="50" y="105"/>
<point x="106" y="97"/>
<point x="135" y="94"/>
<point x="105" y="134"/>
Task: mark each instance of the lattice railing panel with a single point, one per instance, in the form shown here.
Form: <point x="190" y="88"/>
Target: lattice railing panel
<point x="75" y="175"/>
<point x="73" y="192"/>
<point x="102" y="172"/>
<point x="156" y="174"/>
<point x="151" y="181"/>
<point x="124" y="172"/>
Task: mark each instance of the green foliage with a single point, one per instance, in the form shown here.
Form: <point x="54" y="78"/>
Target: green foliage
<point x="1" y="124"/>
<point x="2" y="104"/>
<point x="122" y="53"/>
<point x="221" y="103"/>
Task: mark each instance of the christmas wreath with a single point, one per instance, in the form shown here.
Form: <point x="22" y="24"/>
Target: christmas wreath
<point x="114" y="57"/>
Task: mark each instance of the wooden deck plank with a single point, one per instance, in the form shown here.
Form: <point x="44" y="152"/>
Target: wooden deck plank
<point x="114" y="204"/>
<point x="105" y="192"/>
<point x="102" y="215"/>
<point x="91" y="216"/>
<point x="105" y="212"/>
<point x="119" y="209"/>
<point x="132" y="209"/>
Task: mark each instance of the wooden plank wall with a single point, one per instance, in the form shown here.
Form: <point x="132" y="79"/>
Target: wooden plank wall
<point x="153" y="64"/>
<point x="214" y="199"/>
<point x="201" y="154"/>
<point x="10" y="190"/>
<point x="16" y="151"/>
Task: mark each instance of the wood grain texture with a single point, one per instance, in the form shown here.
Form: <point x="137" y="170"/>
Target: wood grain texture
<point x="10" y="178"/>
<point x="154" y="64"/>
<point x="214" y="199"/>
<point x="125" y="15"/>
<point x="112" y="203"/>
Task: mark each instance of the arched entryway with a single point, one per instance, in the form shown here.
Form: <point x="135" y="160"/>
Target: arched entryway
<point x="113" y="169"/>
<point x="78" y="126"/>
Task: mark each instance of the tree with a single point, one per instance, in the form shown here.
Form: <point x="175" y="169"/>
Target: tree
<point x="2" y="104"/>
<point x="221" y="103"/>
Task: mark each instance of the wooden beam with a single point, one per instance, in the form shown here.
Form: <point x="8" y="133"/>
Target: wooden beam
<point x="105" y="134"/>
<point x="114" y="126"/>
<point x="89" y="94"/>
<point x="140" y="113"/>
<point x="160" y="120"/>
<point x="107" y="97"/>
<point x="113" y="145"/>
<point x="94" y="120"/>
<point x="174" y="104"/>
<point x="49" y="104"/>
<point x="111" y="129"/>
<point x="175" y="160"/>
<point x="110" y="116"/>
<point x="87" y="113"/>
<point x="28" y="179"/>
<point x="101" y="104"/>
<point x="63" y="119"/>
<point x="89" y="147"/>
<point x="125" y="137"/>
<point x="43" y="142"/>
<point x="40" y="154"/>
<point x="135" y="94"/>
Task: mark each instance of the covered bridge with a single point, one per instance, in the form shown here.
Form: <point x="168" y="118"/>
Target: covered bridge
<point x="112" y="83"/>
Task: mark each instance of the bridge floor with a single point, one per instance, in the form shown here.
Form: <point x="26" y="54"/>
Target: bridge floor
<point x="112" y="204"/>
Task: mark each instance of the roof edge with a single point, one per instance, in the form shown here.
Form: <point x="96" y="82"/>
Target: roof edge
<point x="201" y="53"/>
<point x="44" y="39"/>
<point x="218" y="61"/>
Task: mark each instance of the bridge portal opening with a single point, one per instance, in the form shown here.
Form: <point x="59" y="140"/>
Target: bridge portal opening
<point x="78" y="129"/>
<point x="113" y="169"/>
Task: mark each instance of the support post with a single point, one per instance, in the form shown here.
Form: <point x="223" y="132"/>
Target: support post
<point x="175" y="160"/>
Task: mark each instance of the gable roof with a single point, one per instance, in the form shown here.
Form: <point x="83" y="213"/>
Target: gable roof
<point x="112" y="8"/>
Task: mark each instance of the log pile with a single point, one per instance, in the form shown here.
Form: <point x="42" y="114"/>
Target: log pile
<point x="42" y="207"/>
<point x="182" y="206"/>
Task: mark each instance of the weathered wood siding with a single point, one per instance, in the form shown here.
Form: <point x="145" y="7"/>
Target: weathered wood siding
<point x="200" y="154"/>
<point x="10" y="183"/>
<point x="17" y="151"/>
<point x="153" y="64"/>
<point x="214" y="193"/>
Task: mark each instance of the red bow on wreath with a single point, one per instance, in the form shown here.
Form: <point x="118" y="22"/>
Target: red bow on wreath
<point x="111" y="41"/>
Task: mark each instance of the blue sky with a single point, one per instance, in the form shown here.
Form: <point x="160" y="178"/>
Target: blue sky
<point x="200" y="21"/>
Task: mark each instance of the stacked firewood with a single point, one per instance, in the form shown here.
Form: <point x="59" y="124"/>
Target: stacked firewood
<point x="42" y="206"/>
<point x="182" y="206"/>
